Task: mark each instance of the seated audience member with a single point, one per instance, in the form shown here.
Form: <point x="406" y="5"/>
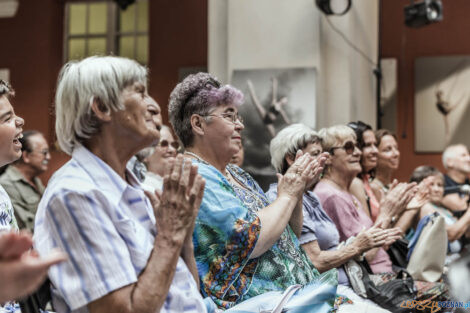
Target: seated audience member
<point x="345" y="210"/>
<point x="245" y="245"/>
<point x="319" y="237"/>
<point x="158" y="160"/>
<point x="21" y="270"/>
<point x="456" y="228"/>
<point x="137" y="163"/>
<point x="126" y="253"/>
<point x="239" y="157"/>
<point x="361" y="185"/>
<point x="21" y="179"/>
<point x="456" y="161"/>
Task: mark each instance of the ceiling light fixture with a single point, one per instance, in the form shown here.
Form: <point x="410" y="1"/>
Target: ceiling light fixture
<point x="423" y="13"/>
<point x="334" y="7"/>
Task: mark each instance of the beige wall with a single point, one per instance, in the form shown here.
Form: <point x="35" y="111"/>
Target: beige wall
<point x="246" y="34"/>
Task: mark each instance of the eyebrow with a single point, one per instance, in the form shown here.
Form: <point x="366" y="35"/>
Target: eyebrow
<point x="6" y="114"/>
<point x="229" y="110"/>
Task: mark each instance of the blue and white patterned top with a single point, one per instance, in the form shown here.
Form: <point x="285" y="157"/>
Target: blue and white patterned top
<point x="7" y="223"/>
<point x="107" y="228"/>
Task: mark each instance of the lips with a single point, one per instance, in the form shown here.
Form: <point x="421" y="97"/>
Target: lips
<point x="16" y="140"/>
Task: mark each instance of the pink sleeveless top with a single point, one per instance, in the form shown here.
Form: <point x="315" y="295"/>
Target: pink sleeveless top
<point x="374" y="205"/>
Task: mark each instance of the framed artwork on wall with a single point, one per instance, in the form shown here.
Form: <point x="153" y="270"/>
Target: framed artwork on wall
<point x="442" y="102"/>
<point x="274" y="98"/>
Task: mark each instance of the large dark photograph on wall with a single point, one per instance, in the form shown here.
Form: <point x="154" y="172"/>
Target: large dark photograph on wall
<point x="274" y="98"/>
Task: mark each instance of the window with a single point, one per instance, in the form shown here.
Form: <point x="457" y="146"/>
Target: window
<point x="101" y="27"/>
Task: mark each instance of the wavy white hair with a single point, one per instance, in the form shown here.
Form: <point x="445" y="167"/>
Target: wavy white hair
<point x="97" y="78"/>
<point x="288" y="141"/>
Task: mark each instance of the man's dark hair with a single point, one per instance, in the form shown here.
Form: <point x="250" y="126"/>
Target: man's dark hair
<point x="25" y="142"/>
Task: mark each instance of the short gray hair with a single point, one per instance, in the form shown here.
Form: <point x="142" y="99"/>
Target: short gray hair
<point x="97" y="78"/>
<point x="449" y="153"/>
<point x="197" y="94"/>
<point x="335" y="135"/>
<point x="288" y="141"/>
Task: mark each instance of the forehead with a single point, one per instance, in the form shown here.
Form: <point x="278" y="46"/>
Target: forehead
<point x="368" y="136"/>
<point x="460" y="150"/>
<point x="37" y="139"/>
<point x="438" y="178"/>
<point x="166" y="134"/>
<point x="226" y="108"/>
<point x="388" y="140"/>
<point x="346" y="138"/>
<point x="314" y="146"/>
<point x="5" y="104"/>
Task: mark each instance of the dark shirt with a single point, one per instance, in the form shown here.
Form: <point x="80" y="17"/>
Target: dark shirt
<point x="449" y="183"/>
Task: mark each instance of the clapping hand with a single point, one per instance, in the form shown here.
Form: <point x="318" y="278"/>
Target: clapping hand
<point x="22" y="270"/>
<point x="294" y="181"/>
<point x="422" y="195"/>
<point x="177" y="206"/>
<point x="318" y="165"/>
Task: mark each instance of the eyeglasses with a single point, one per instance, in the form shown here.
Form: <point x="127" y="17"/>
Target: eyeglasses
<point x="348" y="147"/>
<point x="165" y="144"/>
<point x="229" y="116"/>
<point x="44" y="152"/>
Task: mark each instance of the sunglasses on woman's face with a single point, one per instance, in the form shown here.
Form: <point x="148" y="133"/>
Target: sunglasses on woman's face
<point x="348" y="146"/>
<point x="165" y="144"/>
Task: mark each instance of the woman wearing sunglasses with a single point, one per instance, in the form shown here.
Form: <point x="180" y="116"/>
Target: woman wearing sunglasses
<point x="346" y="211"/>
<point x="341" y="206"/>
<point x="158" y="161"/>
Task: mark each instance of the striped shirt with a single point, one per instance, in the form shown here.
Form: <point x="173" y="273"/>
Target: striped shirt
<point x="107" y="228"/>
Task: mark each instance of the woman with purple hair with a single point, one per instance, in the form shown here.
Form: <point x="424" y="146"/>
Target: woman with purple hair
<point x="245" y="245"/>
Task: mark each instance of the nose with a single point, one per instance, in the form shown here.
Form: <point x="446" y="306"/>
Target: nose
<point x="172" y="150"/>
<point x="357" y="151"/>
<point x="375" y="150"/>
<point x="239" y="125"/>
<point x="19" y="122"/>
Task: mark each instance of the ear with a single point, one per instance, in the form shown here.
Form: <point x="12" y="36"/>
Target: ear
<point x="328" y="160"/>
<point x="289" y="159"/>
<point x="100" y="110"/>
<point x="197" y="124"/>
<point x="25" y="156"/>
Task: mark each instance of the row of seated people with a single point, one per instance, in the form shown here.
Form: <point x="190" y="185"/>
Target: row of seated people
<point x="208" y="238"/>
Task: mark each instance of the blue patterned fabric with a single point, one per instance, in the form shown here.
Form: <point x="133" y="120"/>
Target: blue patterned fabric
<point x="226" y="232"/>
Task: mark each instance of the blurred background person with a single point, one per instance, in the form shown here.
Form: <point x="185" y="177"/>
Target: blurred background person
<point x="387" y="163"/>
<point x="456" y="161"/>
<point x="21" y="179"/>
<point x="158" y="160"/>
<point x="456" y="227"/>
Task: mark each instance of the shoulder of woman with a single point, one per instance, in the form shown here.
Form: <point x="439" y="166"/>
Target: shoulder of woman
<point x="427" y="209"/>
<point x="357" y="187"/>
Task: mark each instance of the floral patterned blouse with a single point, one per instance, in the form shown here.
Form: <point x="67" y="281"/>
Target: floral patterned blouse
<point x="7" y="223"/>
<point x="227" y="229"/>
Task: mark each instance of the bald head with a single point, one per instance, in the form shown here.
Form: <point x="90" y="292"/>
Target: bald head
<point x="457" y="158"/>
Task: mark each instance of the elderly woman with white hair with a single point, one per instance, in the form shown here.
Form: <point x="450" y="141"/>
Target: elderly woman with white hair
<point x="345" y="210"/>
<point x="319" y="237"/>
<point x="125" y="253"/>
